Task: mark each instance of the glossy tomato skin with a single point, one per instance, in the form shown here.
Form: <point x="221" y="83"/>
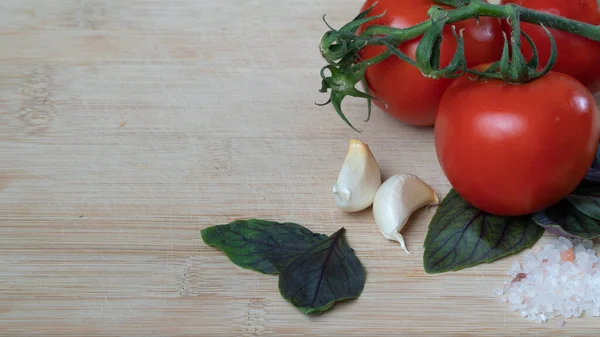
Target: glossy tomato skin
<point x="411" y="97"/>
<point x="577" y="56"/>
<point x="515" y="149"/>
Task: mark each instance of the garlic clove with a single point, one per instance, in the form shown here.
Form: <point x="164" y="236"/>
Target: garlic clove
<point x="358" y="180"/>
<point x="395" y="201"/>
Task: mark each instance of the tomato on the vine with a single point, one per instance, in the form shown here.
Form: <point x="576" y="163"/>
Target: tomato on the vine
<point x="514" y="149"/>
<point x="411" y="97"/>
<point x="577" y="56"/>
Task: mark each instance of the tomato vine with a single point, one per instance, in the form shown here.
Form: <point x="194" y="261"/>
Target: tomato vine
<point x="341" y="47"/>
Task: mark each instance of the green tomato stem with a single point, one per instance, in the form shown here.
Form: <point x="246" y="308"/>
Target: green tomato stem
<point x="479" y="9"/>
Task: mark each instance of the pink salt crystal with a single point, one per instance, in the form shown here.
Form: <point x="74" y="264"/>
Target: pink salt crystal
<point x="560" y="322"/>
<point x="567" y="255"/>
<point x="519" y="277"/>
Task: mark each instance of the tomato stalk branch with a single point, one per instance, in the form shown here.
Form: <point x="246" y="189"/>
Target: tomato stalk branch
<point x="340" y="48"/>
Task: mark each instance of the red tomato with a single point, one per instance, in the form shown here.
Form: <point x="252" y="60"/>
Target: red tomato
<point x="411" y="97"/>
<point x="515" y="149"/>
<point x="577" y="56"/>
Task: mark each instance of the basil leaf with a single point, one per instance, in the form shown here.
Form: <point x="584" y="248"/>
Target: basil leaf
<point x="587" y="187"/>
<point x="586" y="198"/>
<point x="327" y="273"/>
<point x="596" y="162"/>
<point x="264" y="246"/>
<point x="593" y="173"/>
<point x="586" y="204"/>
<point x="564" y="219"/>
<point x="462" y="236"/>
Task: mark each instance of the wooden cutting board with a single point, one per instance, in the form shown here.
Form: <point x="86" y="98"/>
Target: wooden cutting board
<point x="126" y="127"/>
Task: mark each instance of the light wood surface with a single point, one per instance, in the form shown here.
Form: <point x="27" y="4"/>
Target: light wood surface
<point x="128" y="126"/>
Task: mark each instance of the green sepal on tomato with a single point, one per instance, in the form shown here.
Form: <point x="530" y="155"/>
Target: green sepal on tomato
<point x="577" y="56"/>
<point x="516" y="149"/>
<point x="404" y="92"/>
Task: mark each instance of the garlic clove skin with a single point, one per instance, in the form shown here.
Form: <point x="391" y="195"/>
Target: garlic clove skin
<point x="395" y="201"/>
<point x="358" y="180"/>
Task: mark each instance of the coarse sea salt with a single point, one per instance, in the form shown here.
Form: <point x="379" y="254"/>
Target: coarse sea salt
<point x="561" y="280"/>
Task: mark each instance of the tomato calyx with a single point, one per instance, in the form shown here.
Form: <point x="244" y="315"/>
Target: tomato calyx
<point x="514" y="68"/>
<point x="342" y="45"/>
<point x="342" y="83"/>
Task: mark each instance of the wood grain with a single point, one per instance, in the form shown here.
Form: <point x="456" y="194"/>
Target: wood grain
<point x="128" y="126"/>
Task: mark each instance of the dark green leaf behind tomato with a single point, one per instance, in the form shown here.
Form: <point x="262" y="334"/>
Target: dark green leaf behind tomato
<point x="411" y="97"/>
<point x="516" y="149"/>
<point x="577" y="56"/>
<point x="564" y="219"/>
